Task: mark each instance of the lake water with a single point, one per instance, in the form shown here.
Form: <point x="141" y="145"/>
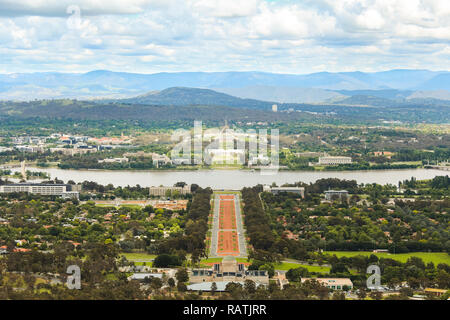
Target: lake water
<point x="234" y="179"/>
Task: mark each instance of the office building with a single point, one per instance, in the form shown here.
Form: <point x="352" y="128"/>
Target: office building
<point x="332" y="195"/>
<point x="333" y="283"/>
<point x="164" y="191"/>
<point x="63" y="190"/>
<point x="277" y="190"/>
<point x="228" y="270"/>
<point x="331" y="161"/>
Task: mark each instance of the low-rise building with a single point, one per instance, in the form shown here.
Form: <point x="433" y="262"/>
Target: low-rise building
<point x="277" y="190"/>
<point x="158" y="159"/>
<point x="73" y="151"/>
<point x="4" y="149"/>
<point x="164" y="191"/>
<point x="114" y="160"/>
<point x="62" y="190"/>
<point x="144" y="276"/>
<point x="383" y="154"/>
<point x="333" y="283"/>
<point x="332" y="195"/>
<point x="30" y="148"/>
<point x="435" y="292"/>
<point x="332" y="161"/>
<point x="228" y="270"/>
<point x="309" y="154"/>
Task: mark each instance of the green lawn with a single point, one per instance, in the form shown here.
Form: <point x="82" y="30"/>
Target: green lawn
<point x="227" y="192"/>
<point x="290" y="265"/>
<point x="435" y="257"/>
<point x="139" y="256"/>
<point x="281" y="266"/>
<point x="147" y="264"/>
<point x="211" y="260"/>
<point x="131" y="206"/>
<point x="408" y="162"/>
<point x="217" y="260"/>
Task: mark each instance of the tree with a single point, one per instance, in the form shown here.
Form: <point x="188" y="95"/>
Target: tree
<point x="338" y="296"/>
<point x="376" y="295"/>
<point x="249" y="286"/>
<point x="269" y="268"/>
<point x="362" y="294"/>
<point x="339" y="268"/>
<point x="156" y="283"/>
<point x="443" y="279"/>
<point x="182" y="275"/>
<point x="181" y="287"/>
<point x="295" y="275"/>
<point x="235" y="290"/>
<point x="171" y="282"/>
<point x="213" y="288"/>
<point x="407" y="292"/>
<point x="166" y="261"/>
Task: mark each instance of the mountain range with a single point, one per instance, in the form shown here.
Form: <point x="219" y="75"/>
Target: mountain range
<point x="323" y="87"/>
<point x="181" y="96"/>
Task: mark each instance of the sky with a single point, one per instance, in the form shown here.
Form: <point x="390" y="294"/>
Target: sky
<point x="280" y="36"/>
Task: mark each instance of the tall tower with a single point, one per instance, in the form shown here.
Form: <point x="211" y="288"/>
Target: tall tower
<point x="275" y="108"/>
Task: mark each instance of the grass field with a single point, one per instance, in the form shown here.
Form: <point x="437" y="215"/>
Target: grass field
<point x="284" y="266"/>
<point x="139" y="256"/>
<point x="435" y="257"/>
<point x="131" y="206"/>
<point x="289" y="265"/>
<point x="227" y="192"/>
<point x="216" y="260"/>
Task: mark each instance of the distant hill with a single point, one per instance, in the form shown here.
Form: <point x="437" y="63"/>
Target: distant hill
<point x="374" y="101"/>
<point x="85" y="110"/>
<point x="434" y="94"/>
<point x="413" y="111"/>
<point x="180" y="96"/>
<point x="439" y="82"/>
<point x="283" y="94"/>
<point x="366" y="100"/>
<point x="391" y="94"/>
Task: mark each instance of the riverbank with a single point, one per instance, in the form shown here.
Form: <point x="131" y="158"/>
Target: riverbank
<point x="237" y="167"/>
<point x="233" y="179"/>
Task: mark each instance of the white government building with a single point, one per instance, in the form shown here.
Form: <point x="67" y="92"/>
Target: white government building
<point x="63" y="190"/>
<point x="162" y="191"/>
<point x="334" y="160"/>
<point x="277" y="190"/>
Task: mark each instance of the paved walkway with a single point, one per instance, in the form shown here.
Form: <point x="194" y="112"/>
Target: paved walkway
<point x="239" y="227"/>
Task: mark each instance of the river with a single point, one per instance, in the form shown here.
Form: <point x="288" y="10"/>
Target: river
<point x="233" y="179"/>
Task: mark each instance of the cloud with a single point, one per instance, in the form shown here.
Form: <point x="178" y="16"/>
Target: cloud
<point x="57" y="8"/>
<point x="227" y="8"/>
<point x="220" y="35"/>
